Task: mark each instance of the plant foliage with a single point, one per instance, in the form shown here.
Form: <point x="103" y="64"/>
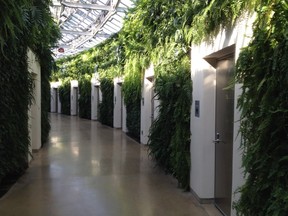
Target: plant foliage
<point x="14" y="134"/>
<point x="105" y="59"/>
<point x="46" y="63"/>
<point x="158" y="32"/>
<point x="64" y="96"/>
<point x="169" y="138"/>
<point x="132" y="96"/>
<point x="106" y="105"/>
<point x="24" y="23"/>
<point x="161" y="32"/>
<point x="262" y="68"/>
<point x="85" y="97"/>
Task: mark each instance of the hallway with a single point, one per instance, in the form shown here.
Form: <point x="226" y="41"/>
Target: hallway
<point x="87" y="169"/>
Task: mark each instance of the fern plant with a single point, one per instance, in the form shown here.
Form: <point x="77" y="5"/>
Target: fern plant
<point x="132" y="95"/>
<point x="106" y="105"/>
<point x="262" y="68"/>
<point x="64" y="96"/>
<point x="23" y="24"/>
<point x="85" y="97"/>
<point x="169" y="137"/>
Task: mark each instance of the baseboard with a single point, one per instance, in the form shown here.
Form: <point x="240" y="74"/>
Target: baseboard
<point x="35" y="150"/>
<point x="202" y="200"/>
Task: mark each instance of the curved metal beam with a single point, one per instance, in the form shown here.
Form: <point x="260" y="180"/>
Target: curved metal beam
<point x="86" y="33"/>
<point x="87" y="6"/>
<point x="99" y="27"/>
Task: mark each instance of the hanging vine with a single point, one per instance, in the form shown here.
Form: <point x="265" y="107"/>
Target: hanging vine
<point x="24" y="24"/>
<point x="169" y="137"/>
<point x="262" y="69"/>
<point x="158" y="32"/>
<point x="64" y="96"/>
<point x="132" y="95"/>
<point x="85" y="97"/>
<point x="106" y="105"/>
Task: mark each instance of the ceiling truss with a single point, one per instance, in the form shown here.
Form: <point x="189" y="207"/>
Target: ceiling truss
<point x="86" y="23"/>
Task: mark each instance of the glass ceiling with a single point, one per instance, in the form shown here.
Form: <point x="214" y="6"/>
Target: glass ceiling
<point x="86" y="23"/>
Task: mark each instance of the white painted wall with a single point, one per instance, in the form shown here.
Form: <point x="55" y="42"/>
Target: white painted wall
<point x="146" y="109"/>
<point x="124" y="117"/>
<point x="117" y="110"/>
<point x="53" y="105"/>
<point x="35" y="109"/>
<point x="237" y="171"/>
<point x="203" y="128"/>
<point x="95" y="98"/>
<point x="74" y="98"/>
<point x="59" y="102"/>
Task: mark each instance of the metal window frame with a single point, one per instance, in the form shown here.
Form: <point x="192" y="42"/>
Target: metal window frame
<point x="86" y="23"/>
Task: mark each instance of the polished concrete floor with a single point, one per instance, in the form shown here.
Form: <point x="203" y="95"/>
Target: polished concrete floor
<point x="87" y="169"/>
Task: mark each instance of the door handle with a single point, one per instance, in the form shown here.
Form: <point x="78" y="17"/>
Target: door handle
<point x="217" y="140"/>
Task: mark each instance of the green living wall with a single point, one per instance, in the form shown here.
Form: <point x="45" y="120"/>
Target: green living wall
<point x="155" y="32"/>
<point x="64" y="96"/>
<point x="170" y="132"/>
<point x="103" y="60"/>
<point x="85" y="97"/>
<point x="46" y="63"/>
<point x="106" y="105"/>
<point x="24" y="24"/>
<point x="132" y="96"/>
<point x="14" y="134"/>
<point x="160" y="33"/>
<point x="262" y="68"/>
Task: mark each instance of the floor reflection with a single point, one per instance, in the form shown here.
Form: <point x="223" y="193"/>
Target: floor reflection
<point x="92" y="170"/>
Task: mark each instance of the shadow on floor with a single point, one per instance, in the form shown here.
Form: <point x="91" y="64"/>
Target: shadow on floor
<point x="7" y="182"/>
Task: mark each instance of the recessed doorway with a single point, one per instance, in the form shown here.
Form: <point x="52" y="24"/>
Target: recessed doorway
<point x="224" y="134"/>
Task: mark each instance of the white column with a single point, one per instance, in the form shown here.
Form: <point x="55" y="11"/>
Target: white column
<point x="53" y="100"/>
<point x="203" y="126"/>
<point x="35" y="109"/>
<point x="95" y="98"/>
<point x="55" y="103"/>
<point x="203" y="75"/>
<point x="74" y="98"/>
<point x="124" y="117"/>
<point x="146" y="104"/>
<point x="59" y="102"/>
<point x="117" y="110"/>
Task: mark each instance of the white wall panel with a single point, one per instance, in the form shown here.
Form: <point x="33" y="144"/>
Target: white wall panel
<point x="117" y="109"/>
<point x="203" y="127"/>
<point x="146" y="104"/>
<point x="35" y="109"/>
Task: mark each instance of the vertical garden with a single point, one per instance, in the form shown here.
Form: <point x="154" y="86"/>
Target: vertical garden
<point x="24" y="24"/>
<point x="161" y="33"/>
<point x="158" y="33"/>
<point x="262" y="68"/>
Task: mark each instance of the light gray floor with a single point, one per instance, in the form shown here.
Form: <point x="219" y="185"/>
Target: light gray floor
<point x="88" y="169"/>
